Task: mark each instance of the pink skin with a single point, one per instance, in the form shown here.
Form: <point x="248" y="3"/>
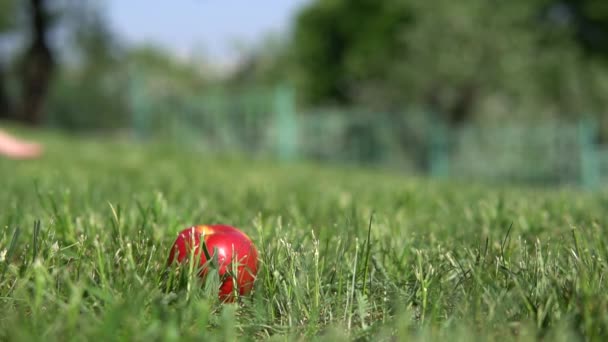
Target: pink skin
<point x="225" y="239"/>
<point x="14" y="148"/>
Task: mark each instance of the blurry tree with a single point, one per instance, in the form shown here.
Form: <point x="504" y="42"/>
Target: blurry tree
<point x="7" y="11"/>
<point x="96" y="85"/>
<point x="340" y="45"/>
<point x="65" y="62"/>
<point x="588" y="22"/>
<point x="166" y="70"/>
<point x="26" y="58"/>
<point x="265" y="64"/>
<point x="462" y="59"/>
<point x="90" y="91"/>
<point x="168" y="92"/>
<point x="37" y="65"/>
<point x="589" y="19"/>
<point x="479" y="56"/>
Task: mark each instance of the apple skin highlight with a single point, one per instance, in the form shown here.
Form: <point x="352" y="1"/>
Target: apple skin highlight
<point x="224" y="240"/>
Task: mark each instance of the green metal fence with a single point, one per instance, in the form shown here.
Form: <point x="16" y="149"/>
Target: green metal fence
<point x="541" y="153"/>
<point x="267" y="122"/>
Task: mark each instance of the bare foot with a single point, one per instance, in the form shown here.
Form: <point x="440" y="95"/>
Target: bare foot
<point x="15" y="148"/>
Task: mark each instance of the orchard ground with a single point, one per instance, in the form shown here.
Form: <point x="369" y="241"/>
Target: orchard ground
<point x="86" y="232"/>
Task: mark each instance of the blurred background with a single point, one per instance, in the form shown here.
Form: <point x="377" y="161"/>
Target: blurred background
<point x="486" y="90"/>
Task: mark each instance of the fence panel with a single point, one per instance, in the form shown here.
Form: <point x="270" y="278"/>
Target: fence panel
<point x="265" y="121"/>
<point x="540" y="153"/>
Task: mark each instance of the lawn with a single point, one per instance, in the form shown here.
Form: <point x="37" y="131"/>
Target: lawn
<point x="86" y="232"/>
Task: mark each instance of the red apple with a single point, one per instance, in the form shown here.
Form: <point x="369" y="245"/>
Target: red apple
<point x="224" y="239"/>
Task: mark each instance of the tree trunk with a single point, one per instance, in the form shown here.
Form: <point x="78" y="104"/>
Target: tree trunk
<point x="38" y="66"/>
<point x="5" y="105"/>
<point x="460" y="111"/>
<point x="457" y="112"/>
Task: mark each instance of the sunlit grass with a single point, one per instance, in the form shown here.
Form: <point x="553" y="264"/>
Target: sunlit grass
<point x="86" y="233"/>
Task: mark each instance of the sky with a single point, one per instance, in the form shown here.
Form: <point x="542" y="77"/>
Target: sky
<point x="212" y="27"/>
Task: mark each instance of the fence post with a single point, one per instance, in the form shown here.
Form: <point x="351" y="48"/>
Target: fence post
<point x="589" y="164"/>
<point x="439" y="155"/>
<point x="285" y="123"/>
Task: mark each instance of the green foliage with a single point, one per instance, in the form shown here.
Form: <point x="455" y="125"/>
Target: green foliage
<point x="7" y="11"/>
<point x="265" y="64"/>
<point x="339" y="44"/>
<point x="438" y="261"/>
<point x="90" y="92"/>
<point x="485" y="58"/>
<point x="590" y="19"/>
<point x="166" y="71"/>
<point x="89" y="100"/>
<point x="466" y="60"/>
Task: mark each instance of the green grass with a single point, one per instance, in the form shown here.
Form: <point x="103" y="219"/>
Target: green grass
<point x="86" y="231"/>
